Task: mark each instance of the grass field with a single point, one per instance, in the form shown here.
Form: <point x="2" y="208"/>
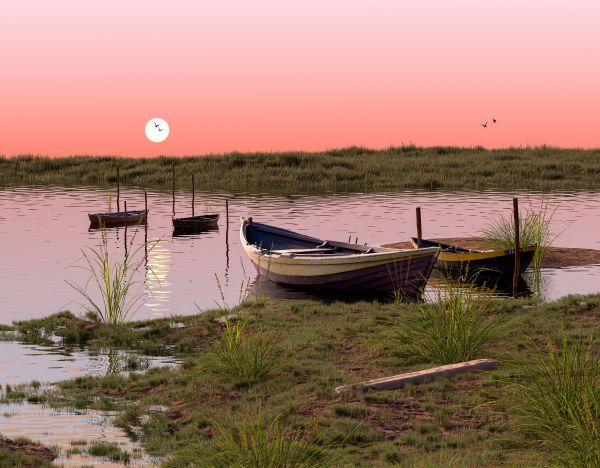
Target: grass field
<point x="349" y="169"/>
<point x="288" y="410"/>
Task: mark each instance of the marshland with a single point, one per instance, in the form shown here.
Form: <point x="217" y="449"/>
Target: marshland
<point x="354" y="169"/>
<point x="191" y="359"/>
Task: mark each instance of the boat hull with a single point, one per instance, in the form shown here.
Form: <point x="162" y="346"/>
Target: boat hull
<point x="481" y="266"/>
<point x="372" y="270"/>
<point x="196" y="223"/>
<point x="120" y="218"/>
<point x="408" y="276"/>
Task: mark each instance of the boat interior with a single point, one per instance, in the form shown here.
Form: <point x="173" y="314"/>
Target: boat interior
<point x="277" y="240"/>
<point x="444" y="247"/>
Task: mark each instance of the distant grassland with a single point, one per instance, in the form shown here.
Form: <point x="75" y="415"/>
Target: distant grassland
<point x="340" y="170"/>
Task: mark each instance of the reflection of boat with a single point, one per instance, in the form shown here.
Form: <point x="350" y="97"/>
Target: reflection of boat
<point x="118" y="218"/>
<point x="261" y="286"/>
<point x="194" y="224"/>
<point x="482" y="265"/>
<point x="297" y="260"/>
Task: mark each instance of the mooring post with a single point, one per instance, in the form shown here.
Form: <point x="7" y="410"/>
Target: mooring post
<point x="173" y="167"/>
<point x="227" y="223"/>
<point x="118" y="189"/>
<point x="193" y="190"/>
<point x="226" y="235"/>
<point x="419" y="231"/>
<point x="146" y="227"/>
<point x="517" y="272"/>
<point x="125" y="227"/>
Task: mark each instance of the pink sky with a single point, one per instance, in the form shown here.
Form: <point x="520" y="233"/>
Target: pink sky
<point x="80" y="77"/>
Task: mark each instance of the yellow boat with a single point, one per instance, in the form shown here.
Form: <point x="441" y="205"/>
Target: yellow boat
<point x="481" y="265"/>
<point x="302" y="261"/>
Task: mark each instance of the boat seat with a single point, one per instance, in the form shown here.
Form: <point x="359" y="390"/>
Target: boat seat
<point x="314" y="251"/>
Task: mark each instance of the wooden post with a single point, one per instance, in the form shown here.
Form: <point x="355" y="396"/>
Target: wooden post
<point x="118" y="189"/>
<point x="173" y="167"/>
<point x="517" y="272"/>
<point x="125" y="227"/>
<point x="419" y="230"/>
<point x="146" y="228"/>
<point x="193" y="189"/>
<point x="145" y="209"/>
<point x="227" y="223"/>
<point x="226" y="237"/>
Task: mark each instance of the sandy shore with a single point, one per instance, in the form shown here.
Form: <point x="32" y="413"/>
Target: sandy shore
<point x="554" y="257"/>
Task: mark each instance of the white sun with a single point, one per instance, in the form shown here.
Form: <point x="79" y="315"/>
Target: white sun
<point x="157" y="130"/>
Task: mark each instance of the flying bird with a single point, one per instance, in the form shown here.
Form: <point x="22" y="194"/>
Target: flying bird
<point x="160" y="129"/>
<point x="156" y="125"/>
<point x="494" y="120"/>
<point x="484" y="125"/>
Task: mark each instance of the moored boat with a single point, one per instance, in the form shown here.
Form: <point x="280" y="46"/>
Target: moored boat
<point x="118" y="218"/>
<point x="196" y="223"/>
<point x="477" y="265"/>
<point x="302" y="261"/>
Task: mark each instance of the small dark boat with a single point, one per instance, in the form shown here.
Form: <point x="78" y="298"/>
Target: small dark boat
<point x="297" y="260"/>
<point x="118" y="218"/>
<point x="196" y="223"/>
<point x="477" y="265"/>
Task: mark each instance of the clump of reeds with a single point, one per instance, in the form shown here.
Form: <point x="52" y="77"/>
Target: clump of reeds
<point x="557" y="400"/>
<point x="457" y="326"/>
<point x="239" y="356"/>
<point x="535" y="227"/>
<point x="114" y="280"/>
<point x="251" y="443"/>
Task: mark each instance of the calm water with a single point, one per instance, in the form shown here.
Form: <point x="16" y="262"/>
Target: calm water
<point x="22" y="363"/>
<point x="43" y="232"/>
<point x="59" y="427"/>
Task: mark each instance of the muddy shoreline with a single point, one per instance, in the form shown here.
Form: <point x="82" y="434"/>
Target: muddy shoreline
<point x="27" y="447"/>
<point x="554" y="257"/>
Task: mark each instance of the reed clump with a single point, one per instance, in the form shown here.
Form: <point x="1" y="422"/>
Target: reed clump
<point x="535" y="227"/>
<point x="557" y="400"/>
<point x="457" y="326"/>
<point x="252" y="443"/>
<point x="120" y="294"/>
<point x="241" y="357"/>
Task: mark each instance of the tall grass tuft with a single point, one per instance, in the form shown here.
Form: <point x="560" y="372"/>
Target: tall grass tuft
<point x="114" y="279"/>
<point x="457" y="326"/>
<point x="240" y="357"/>
<point x="254" y="444"/>
<point x="557" y="400"/>
<point x="535" y="227"/>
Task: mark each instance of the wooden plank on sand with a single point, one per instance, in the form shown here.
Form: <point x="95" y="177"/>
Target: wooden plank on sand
<point x="397" y="381"/>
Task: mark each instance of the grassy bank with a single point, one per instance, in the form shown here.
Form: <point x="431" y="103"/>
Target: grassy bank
<point x="282" y="406"/>
<point x="349" y="169"/>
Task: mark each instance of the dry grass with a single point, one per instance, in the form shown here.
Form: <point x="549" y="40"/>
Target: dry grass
<point x="341" y="170"/>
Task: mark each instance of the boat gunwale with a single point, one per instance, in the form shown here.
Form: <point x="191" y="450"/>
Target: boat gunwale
<point x="473" y="255"/>
<point x="391" y="255"/>
<point x="120" y="214"/>
<point x="198" y="219"/>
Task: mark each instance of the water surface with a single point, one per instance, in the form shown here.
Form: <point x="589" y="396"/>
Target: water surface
<point x="44" y="229"/>
<point x="59" y="427"/>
